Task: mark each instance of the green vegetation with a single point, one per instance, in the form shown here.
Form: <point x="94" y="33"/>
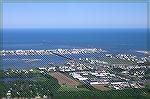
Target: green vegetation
<point x="14" y="73"/>
<point x="2" y="84"/>
<point x="116" y="61"/>
<point x="147" y="73"/>
<point x="1" y="74"/>
<point x="119" y="94"/>
<point x="121" y="62"/>
<point x="2" y="89"/>
<point x="42" y="84"/>
<point x="71" y="89"/>
<point x="38" y="85"/>
<point x="33" y="88"/>
<point x="117" y="70"/>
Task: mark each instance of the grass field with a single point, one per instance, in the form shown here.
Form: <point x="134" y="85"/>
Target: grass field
<point x="121" y="94"/>
<point x="71" y="89"/>
<point x="101" y="87"/>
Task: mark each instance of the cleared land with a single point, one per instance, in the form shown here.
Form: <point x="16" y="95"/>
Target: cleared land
<point x="64" y="80"/>
<point x="100" y="87"/>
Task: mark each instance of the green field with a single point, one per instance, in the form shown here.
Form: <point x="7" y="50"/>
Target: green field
<point x="71" y="89"/>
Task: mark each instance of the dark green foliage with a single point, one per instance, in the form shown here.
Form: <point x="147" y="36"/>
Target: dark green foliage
<point x="38" y="85"/>
<point x="1" y="74"/>
<point x="117" y="70"/>
<point x="147" y="73"/>
<point x="117" y="94"/>
<point x="31" y="88"/>
<point x="2" y="89"/>
<point x="89" y="87"/>
<point x="44" y="84"/>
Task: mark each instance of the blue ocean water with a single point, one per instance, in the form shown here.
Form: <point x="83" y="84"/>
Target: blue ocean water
<point x="111" y="39"/>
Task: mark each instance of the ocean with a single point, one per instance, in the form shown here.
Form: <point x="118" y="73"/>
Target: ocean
<point x="125" y="41"/>
<point x="112" y="39"/>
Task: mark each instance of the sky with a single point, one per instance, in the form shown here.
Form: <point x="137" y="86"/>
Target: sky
<point x="74" y="15"/>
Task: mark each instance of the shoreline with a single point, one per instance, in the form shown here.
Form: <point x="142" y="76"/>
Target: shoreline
<point x="48" y="52"/>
